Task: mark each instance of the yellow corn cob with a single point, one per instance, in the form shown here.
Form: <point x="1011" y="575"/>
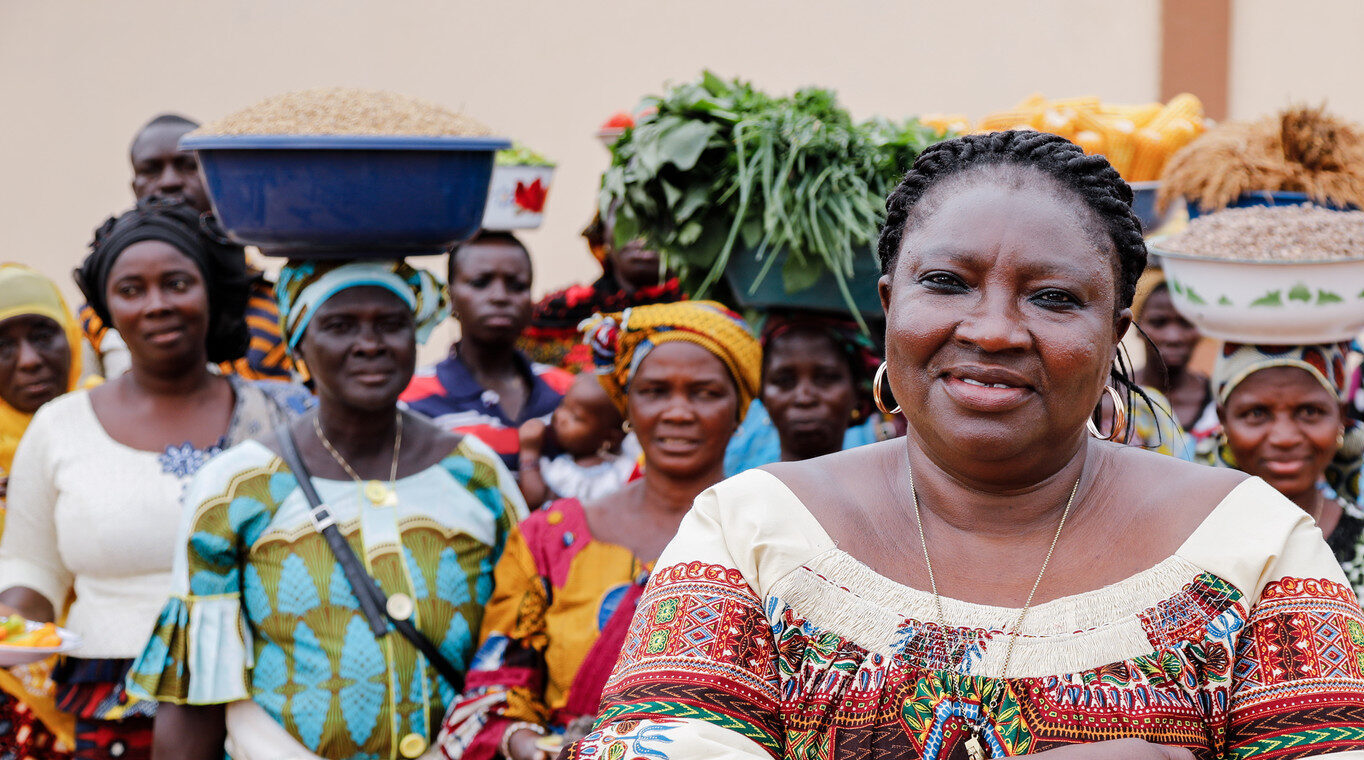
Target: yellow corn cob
<point x="1149" y="155"/>
<point x="1181" y="107"/>
<point x="1003" y="120"/>
<point x="1089" y="103"/>
<point x="1120" y="148"/>
<point x="1092" y="142"/>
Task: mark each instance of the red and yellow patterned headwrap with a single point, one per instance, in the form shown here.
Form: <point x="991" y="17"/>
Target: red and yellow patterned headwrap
<point x="619" y="343"/>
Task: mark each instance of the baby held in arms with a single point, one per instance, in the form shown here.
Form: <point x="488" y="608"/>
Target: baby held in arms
<point x="584" y="451"/>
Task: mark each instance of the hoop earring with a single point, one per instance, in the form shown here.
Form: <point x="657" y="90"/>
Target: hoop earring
<point x="626" y="427"/>
<point x="1119" y="418"/>
<point x="876" y="391"/>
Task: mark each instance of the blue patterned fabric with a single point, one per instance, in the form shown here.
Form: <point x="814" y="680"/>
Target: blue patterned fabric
<point x="262" y="610"/>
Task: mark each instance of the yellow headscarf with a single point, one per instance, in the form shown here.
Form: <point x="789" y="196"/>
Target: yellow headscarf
<point x="620" y="342"/>
<point x="23" y="292"/>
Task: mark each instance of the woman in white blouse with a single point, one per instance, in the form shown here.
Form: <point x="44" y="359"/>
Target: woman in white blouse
<point x="94" y="496"/>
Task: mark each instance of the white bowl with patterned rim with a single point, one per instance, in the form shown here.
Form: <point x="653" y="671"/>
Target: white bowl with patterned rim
<point x="1271" y="302"/>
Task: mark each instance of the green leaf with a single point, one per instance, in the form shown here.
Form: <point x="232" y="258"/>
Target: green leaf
<point x="1194" y="297"/>
<point x="683" y="144"/>
<point x="1300" y="292"/>
<point x="1224" y="301"/>
<point x="797" y="275"/>
<point x="1326" y="296"/>
<point x="690" y="233"/>
<point x="1272" y="298"/>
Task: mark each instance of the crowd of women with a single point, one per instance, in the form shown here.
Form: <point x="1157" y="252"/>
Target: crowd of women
<point x="980" y="541"/>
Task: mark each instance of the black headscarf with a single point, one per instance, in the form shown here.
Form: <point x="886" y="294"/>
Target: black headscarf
<point x="221" y="263"/>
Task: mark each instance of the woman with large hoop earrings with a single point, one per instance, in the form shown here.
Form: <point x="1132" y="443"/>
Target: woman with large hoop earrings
<point x="999" y="582"/>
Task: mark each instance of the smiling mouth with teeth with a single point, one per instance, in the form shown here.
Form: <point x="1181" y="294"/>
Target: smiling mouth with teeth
<point x="984" y="385"/>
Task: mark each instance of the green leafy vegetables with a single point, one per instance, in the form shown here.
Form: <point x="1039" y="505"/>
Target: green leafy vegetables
<point x="718" y="169"/>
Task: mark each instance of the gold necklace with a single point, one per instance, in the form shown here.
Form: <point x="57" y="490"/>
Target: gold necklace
<point x="974" y="749"/>
<point x="379" y="495"/>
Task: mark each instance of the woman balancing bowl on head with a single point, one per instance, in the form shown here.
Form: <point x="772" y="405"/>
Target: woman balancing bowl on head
<point x="682" y="374"/>
<point x="999" y="582"/>
<point x="425" y="512"/>
<point x="40" y="360"/>
<point x="94" y="493"/>
<point x="1283" y="420"/>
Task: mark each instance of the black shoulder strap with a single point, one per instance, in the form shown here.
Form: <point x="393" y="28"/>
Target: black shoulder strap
<point x="373" y="602"/>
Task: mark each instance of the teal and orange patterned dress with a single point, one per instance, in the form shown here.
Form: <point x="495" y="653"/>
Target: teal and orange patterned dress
<point x="759" y="638"/>
<point x="262" y="611"/>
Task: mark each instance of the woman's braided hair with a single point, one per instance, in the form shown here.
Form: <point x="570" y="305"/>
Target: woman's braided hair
<point x="1092" y="179"/>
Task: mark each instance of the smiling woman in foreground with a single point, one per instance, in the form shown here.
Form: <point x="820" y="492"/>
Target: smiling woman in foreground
<point x="1000" y="582"/>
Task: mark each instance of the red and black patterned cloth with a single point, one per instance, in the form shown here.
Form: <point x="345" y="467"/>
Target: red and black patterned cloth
<point x="553" y="336"/>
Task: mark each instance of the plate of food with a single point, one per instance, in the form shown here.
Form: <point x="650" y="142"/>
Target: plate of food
<point x="25" y="641"/>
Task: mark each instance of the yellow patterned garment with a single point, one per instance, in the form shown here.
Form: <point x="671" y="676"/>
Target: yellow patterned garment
<point x="556" y="589"/>
<point x="262" y="610"/>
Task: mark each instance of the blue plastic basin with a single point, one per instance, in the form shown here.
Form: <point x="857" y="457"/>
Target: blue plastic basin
<point x="1268" y="198"/>
<point x="348" y="196"/>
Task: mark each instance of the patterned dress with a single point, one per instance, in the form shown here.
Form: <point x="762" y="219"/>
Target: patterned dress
<point x="262" y="610"/>
<point x="557" y="587"/>
<point x="760" y="638"/>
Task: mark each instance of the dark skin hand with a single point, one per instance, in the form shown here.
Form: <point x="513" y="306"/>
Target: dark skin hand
<point x="490" y="290"/>
<point x="1283" y="426"/>
<point x="684" y="408"/>
<point x="162" y="170"/>
<point x="808" y="391"/>
<point x="361" y="349"/>
<point x="1002" y="323"/>
<point x="1175" y="338"/>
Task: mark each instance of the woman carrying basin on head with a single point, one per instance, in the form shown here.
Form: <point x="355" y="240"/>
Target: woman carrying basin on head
<point x="425" y="512"/>
<point x="999" y="582"/>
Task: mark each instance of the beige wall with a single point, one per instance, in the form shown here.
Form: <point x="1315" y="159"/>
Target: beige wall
<point x="1304" y="51"/>
<point x="77" y="77"/>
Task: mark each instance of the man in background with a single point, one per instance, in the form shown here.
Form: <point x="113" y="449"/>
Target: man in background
<point x="161" y="170"/>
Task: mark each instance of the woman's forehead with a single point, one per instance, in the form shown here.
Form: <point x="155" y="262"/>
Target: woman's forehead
<point x="681" y="357"/>
<point x="363" y="297"/>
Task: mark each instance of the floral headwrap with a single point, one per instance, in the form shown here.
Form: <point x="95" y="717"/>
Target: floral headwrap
<point x="1238" y="361"/>
<point x="1326" y="364"/>
<point x="619" y="343"/>
<point x="847" y="337"/>
<point x="305" y="285"/>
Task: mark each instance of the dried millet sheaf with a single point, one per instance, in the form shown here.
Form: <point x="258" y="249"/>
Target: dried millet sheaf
<point x="1278" y="233"/>
<point x="1300" y="150"/>
<point x="345" y="111"/>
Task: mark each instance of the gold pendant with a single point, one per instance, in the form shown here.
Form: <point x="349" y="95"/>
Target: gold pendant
<point x="973" y="748"/>
<point x="380" y="495"/>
